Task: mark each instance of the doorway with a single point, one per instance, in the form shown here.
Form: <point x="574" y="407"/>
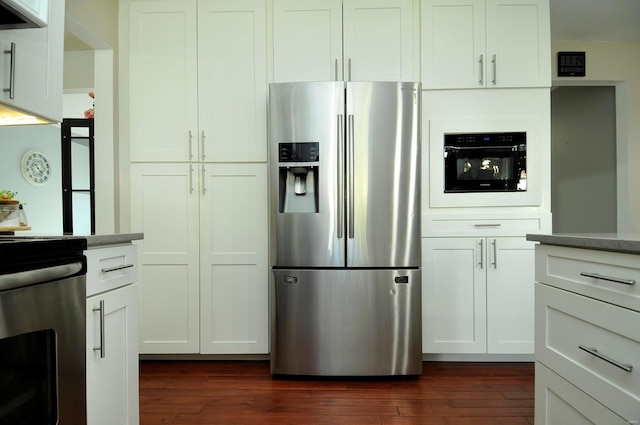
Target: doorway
<point x="583" y="159"/>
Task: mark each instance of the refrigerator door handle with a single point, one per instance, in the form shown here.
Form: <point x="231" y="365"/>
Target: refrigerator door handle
<point x="340" y="188"/>
<point x="350" y="177"/>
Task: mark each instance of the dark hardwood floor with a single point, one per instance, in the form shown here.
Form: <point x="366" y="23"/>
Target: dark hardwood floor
<point x="243" y="392"/>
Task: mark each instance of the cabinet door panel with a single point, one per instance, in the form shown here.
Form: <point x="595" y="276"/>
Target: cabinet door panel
<point x="165" y="208"/>
<point x="307" y="40"/>
<point x="233" y="288"/>
<point x="518" y="34"/>
<point x="453" y="295"/>
<point x="163" y="84"/>
<point x="453" y="44"/>
<point x="112" y="380"/>
<point x="510" y="296"/>
<point x="378" y="40"/>
<point x="232" y="80"/>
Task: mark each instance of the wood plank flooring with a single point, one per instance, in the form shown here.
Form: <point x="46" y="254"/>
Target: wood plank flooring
<point x="244" y="392"/>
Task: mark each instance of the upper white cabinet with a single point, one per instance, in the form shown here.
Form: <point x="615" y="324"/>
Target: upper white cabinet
<point x="198" y="91"/>
<point x="31" y="66"/>
<point x="485" y="43"/>
<point x="356" y="40"/>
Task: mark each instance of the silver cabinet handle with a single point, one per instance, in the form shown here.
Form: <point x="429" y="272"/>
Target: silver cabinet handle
<point x="101" y="347"/>
<point x="351" y="176"/>
<point x="204" y="181"/>
<point x="594" y="352"/>
<point x="495" y="72"/>
<point x="190" y="178"/>
<point x="349" y="70"/>
<point x="487" y="225"/>
<point x="481" y="62"/>
<point x="190" y="145"/>
<point x="12" y="71"/>
<point x="335" y="66"/>
<point x="481" y="262"/>
<point x="609" y="278"/>
<point x="202" y="145"/>
<point x="113" y="269"/>
<point x="340" y="183"/>
<point x="495" y="253"/>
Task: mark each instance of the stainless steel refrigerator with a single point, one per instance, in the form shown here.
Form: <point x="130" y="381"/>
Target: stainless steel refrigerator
<point x="345" y="254"/>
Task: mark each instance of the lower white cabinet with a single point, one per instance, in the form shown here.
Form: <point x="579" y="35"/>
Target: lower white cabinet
<point x="478" y="295"/>
<point x="204" y="272"/>
<point x="112" y="336"/>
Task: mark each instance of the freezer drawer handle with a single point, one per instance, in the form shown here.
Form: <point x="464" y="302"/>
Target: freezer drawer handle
<point x="594" y="352"/>
<point x="290" y="280"/>
<point x="609" y="279"/>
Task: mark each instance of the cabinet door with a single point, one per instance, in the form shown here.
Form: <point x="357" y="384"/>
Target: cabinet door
<point x="232" y="80"/>
<point x="164" y="206"/>
<point x="112" y="374"/>
<point x="163" y="81"/>
<point x="36" y="85"/>
<point x="518" y="43"/>
<point x="378" y="40"/>
<point x="453" y="44"/>
<point x="307" y="40"/>
<point x="510" y="296"/>
<point x="234" y="271"/>
<point x="453" y="295"/>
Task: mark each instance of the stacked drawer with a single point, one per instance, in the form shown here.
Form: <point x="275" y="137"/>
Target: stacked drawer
<point x="587" y="336"/>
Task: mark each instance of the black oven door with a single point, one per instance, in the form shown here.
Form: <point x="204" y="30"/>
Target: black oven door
<point x="486" y="169"/>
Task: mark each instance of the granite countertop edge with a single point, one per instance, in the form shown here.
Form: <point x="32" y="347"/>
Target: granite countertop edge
<point x="93" y="241"/>
<point x="628" y="243"/>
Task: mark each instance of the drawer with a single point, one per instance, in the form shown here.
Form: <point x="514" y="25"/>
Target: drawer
<point x="613" y="277"/>
<point x="479" y="225"/>
<point x="569" y="325"/>
<point x="559" y="403"/>
<point x="110" y="267"/>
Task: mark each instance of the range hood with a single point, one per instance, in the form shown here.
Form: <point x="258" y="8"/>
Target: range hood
<point x="23" y="13"/>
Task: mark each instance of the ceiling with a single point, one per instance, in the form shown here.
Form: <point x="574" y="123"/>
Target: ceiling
<point x="587" y="20"/>
<point x="595" y="20"/>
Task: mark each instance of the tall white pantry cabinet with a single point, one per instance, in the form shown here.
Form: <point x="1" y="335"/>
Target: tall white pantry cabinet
<point x="199" y="174"/>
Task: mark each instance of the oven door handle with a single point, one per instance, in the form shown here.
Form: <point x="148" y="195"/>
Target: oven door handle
<point x="33" y="277"/>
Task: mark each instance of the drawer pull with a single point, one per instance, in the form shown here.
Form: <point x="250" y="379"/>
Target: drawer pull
<point x="113" y="269"/>
<point x="487" y="225"/>
<point x="594" y="352"/>
<point x="608" y="278"/>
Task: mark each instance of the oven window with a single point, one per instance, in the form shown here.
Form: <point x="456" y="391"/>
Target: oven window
<point x="28" y="379"/>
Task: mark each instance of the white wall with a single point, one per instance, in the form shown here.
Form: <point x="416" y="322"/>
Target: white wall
<point x="615" y="64"/>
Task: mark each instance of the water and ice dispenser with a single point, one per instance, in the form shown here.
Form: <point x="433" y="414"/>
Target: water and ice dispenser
<point x="298" y="174"/>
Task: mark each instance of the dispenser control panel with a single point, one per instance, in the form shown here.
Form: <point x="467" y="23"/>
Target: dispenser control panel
<point x="298" y="152"/>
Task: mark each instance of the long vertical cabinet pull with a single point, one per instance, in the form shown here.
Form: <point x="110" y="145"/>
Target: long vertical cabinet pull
<point x="204" y="179"/>
<point x="202" y="146"/>
<point x="12" y="71"/>
<point x="101" y="347"/>
<point x="481" y="262"/>
<point x="190" y="178"/>
<point x="481" y="62"/>
<point x="494" y="261"/>
<point x="340" y="166"/>
<point x="351" y="176"/>
<point x="349" y="70"/>
<point x="335" y="67"/>
<point x="190" y="145"/>
<point x="495" y="70"/>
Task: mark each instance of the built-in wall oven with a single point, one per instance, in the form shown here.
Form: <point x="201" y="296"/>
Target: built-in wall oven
<point x="485" y="162"/>
<point x="42" y="331"/>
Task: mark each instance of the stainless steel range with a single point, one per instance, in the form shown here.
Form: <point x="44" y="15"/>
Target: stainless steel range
<point x="42" y="331"/>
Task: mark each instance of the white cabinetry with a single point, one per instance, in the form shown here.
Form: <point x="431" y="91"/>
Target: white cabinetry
<point x="204" y="257"/>
<point x="198" y="91"/>
<point x="587" y="336"/>
<point x="31" y="66"/>
<point x="356" y="40"/>
<point x="477" y="295"/>
<point x="485" y="43"/>
<point x="112" y="336"/>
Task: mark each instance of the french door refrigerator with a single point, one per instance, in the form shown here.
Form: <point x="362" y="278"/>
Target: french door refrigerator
<point x="345" y="254"/>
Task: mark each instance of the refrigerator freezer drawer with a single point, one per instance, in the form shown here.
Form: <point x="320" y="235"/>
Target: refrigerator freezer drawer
<point x="347" y="323"/>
